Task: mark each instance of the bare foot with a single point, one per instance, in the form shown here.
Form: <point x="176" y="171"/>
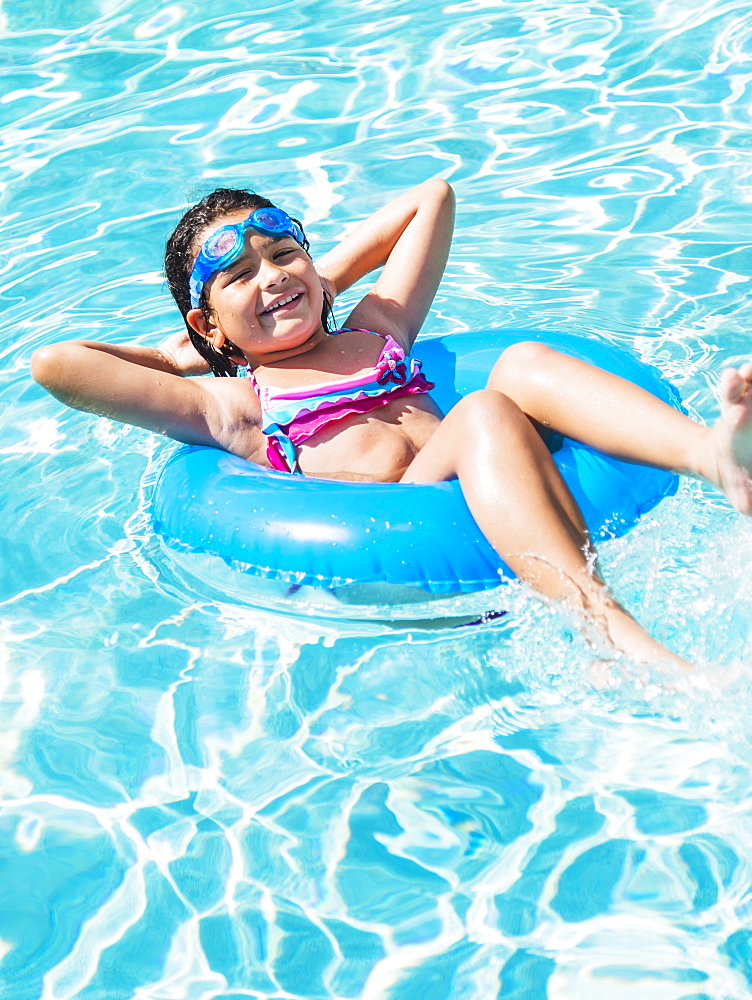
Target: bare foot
<point x="631" y="638"/>
<point x="731" y="438"/>
<point x="612" y="623"/>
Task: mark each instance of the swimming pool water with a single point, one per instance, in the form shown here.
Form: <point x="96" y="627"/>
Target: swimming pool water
<point x="199" y="799"/>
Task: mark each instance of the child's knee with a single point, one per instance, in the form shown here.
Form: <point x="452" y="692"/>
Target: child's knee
<point x="525" y="358"/>
<point x="487" y="407"/>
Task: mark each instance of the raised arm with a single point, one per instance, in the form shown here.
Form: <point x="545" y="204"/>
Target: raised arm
<point x="410" y="237"/>
<point x="136" y="385"/>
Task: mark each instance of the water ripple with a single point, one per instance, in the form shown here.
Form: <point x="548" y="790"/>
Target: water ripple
<point x="203" y="799"/>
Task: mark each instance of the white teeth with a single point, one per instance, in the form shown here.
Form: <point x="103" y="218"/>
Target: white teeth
<point x="283" y="302"/>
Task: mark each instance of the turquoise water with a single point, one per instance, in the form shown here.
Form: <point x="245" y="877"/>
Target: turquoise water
<point x="204" y="800"/>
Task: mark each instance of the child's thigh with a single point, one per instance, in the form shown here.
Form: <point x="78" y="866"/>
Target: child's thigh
<point x="473" y="432"/>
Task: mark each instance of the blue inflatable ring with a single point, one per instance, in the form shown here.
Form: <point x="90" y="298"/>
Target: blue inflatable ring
<point x="331" y="536"/>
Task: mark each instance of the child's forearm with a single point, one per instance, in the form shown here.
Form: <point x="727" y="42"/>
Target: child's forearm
<point x="158" y="358"/>
<point x="56" y="365"/>
<point x="175" y="355"/>
<point x="429" y="205"/>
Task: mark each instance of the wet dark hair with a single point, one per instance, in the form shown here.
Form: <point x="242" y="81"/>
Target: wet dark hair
<point x="180" y="256"/>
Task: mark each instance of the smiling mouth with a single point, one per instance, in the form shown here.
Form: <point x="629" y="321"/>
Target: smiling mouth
<point x="282" y="302"/>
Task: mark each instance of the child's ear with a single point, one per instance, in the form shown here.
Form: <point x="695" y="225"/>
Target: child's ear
<point x="214" y="336"/>
<point x="197" y="320"/>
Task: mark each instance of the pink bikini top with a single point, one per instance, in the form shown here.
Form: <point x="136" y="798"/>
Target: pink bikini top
<point x="290" y="416"/>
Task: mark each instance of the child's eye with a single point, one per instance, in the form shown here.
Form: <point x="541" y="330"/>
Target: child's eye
<point x="283" y="253"/>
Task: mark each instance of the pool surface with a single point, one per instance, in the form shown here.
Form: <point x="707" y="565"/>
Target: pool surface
<point x="201" y="799"/>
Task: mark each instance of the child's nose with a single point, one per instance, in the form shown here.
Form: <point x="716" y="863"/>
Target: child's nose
<point x="271" y="274"/>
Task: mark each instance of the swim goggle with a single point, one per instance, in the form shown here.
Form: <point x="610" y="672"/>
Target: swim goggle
<point x="225" y="245"/>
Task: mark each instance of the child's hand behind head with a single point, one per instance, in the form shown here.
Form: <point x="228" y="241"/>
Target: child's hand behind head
<point x="178" y="349"/>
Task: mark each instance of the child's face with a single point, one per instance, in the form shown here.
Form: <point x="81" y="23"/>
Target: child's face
<point x="267" y="301"/>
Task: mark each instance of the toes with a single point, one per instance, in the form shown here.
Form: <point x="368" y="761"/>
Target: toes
<point x="732" y="385"/>
<point x="735" y="382"/>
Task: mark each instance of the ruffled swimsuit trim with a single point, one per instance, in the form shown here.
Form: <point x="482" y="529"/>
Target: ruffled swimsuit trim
<point x="291" y="416"/>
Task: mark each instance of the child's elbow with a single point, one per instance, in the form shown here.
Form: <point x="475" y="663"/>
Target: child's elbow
<point x="48" y="364"/>
<point x="43" y="365"/>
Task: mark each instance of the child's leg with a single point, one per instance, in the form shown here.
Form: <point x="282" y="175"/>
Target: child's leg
<point x="623" y="420"/>
<point x="524" y="508"/>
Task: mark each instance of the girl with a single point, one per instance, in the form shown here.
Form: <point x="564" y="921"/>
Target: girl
<point x="353" y="404"/>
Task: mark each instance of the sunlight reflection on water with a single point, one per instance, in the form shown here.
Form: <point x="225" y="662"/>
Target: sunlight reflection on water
<point x="203" y="800"/>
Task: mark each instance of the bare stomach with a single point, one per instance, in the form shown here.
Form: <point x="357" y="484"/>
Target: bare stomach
<point x="372" y="447"/>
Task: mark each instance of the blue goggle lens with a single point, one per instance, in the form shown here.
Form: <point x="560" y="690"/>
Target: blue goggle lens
<point x="221" y="243"/>
<point x="272" y="219"/>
